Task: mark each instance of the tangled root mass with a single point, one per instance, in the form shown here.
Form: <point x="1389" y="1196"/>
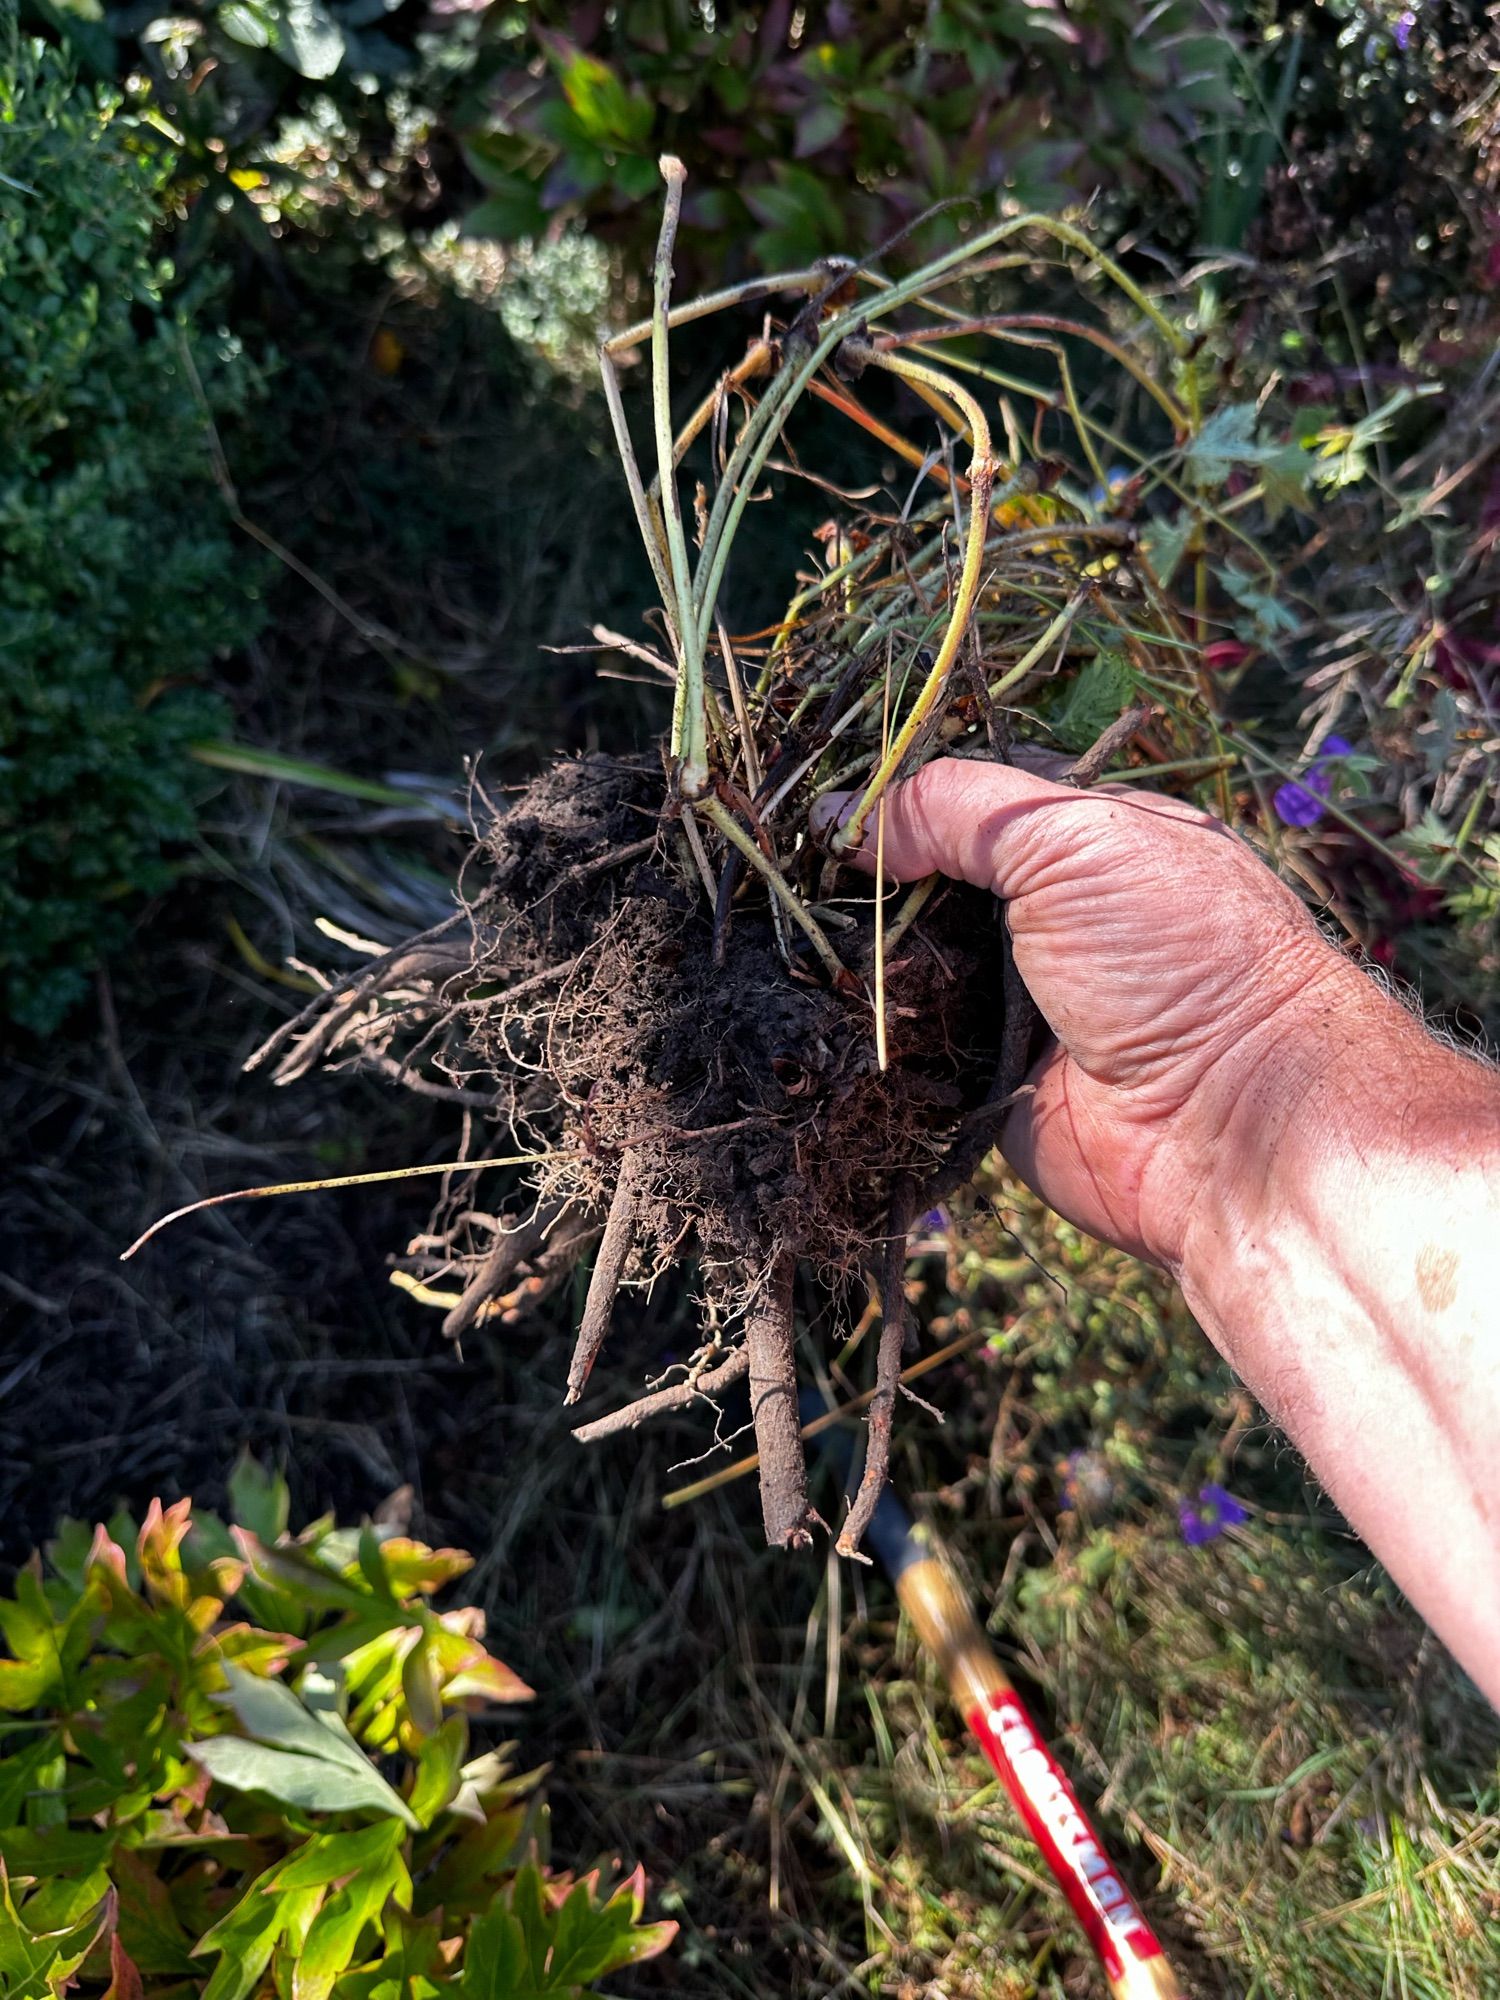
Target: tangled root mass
<point x="693" y="1088"/>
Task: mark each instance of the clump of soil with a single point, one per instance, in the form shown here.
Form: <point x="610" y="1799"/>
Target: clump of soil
<point x="693" y="1089"/>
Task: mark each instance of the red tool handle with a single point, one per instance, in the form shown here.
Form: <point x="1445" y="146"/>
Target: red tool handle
<point x="1129" y="1953"/>
<point x="1120" y="1935"/>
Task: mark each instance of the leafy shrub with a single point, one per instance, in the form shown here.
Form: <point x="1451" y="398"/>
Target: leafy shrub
<point x="822" y="128"/>
<point x="237" y="1762"/>
<point x="1390" y="144"/>
<point x="804" y="130"/>
<point x="119" y="581"/>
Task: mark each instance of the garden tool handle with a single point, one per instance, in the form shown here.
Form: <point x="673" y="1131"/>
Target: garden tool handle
<point x="1129" y="1953"/>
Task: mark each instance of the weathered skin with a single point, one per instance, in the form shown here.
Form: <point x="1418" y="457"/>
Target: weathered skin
<point x="1233" y="1098"/>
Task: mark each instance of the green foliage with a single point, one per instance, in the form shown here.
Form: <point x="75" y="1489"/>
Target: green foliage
<point x="826" y="128"/>
<point x="119" y="580"/>
<point x="804" y="130"/>
<point x="1303" y="1788"/>
<point x="236" y="1762"/>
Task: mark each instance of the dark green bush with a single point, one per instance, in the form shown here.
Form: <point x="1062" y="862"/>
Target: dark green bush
<point x="822" y="129"/>
<point x="119" y="578"/>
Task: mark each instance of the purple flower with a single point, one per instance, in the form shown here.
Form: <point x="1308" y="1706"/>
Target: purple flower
<point x="1214" y="1511"/>
<point x="1405" y="22"/>
<point x="934" y="1221"/>
<point x="1301" y="804"/>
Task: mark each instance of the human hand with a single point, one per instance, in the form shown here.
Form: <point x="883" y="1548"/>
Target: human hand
<point x="1231" y="1096"/>
<point x="1183" y="981"/>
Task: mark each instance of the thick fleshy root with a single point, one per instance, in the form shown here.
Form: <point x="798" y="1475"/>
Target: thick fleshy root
<point x="895" y="1319"/>
<point x="769" y="1341"/>
<point x="615" y="1247"/>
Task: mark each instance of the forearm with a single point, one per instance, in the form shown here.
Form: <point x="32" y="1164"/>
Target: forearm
<point x="1345" y="1258"/>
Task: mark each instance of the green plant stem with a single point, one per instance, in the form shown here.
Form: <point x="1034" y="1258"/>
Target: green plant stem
<point x="712" y="809"/>
<point x="638" y="500"/>
<point x="912" y="907"/>
<point x="1034" y="654"/>
<point x="689" y="720"/>
<point x="981" y="484"/>
<point x="805" y="280"/>
<point x="1001" y="323"/>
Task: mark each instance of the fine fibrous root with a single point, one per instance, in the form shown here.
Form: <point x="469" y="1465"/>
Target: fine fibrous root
<point x="770" y="1344"/>
<point x="609" y="1268"/>
<point x="895" y="1316"/>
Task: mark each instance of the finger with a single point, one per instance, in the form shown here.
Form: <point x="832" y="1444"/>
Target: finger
<point x="1001" y="828"/>
<point x="957" y="817"/>
<point x="1059" y="1140"/>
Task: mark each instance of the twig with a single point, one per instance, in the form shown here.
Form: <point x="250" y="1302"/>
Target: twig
<point x="1090" y="767"/>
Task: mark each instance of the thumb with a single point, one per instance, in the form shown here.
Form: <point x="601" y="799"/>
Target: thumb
<point x="974" y="821"/>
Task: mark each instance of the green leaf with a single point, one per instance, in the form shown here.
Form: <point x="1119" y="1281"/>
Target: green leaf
<point x="1284" y="475"/>
<point x="258" y="1499"/>
<point x="309" y="39"/>
<point x="522" y="1947"/>
<point x="150" y="1929"/>
<point x="23" y="1775"/>
<point x="1272" y="618"/>
<point x="438" y="1764"/>
<point x="247" y="1936"/>
<point x="508" y="213"/>
<point x="247" y="23"/>
<point x="606" y="111"/>
<point x="328" y="1857"/>
<point x="251" y="762"/>
<point x="1165" y="544"/>
<point x="335" y="1931"/>
<point x="306" y="1782"/>
<point x="311" y="1761"/>
<point x="41" y="1950"/>
<point x="497" y="1962"/>
<point x="53" y="1850"/>
<point x="36" y="1639"/>
<point x="592" y="1940"/>
<point x="1225" y="440"/>
<point x="1094" y="701"/>
<point x="405" y="1971"/>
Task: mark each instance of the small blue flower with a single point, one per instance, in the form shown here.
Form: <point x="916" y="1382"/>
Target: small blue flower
<point x="1301" y="804"/>
<point x="1205" y="1520"/>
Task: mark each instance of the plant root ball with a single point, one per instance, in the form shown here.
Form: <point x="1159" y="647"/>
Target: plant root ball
<point x="733" y="1114"/>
